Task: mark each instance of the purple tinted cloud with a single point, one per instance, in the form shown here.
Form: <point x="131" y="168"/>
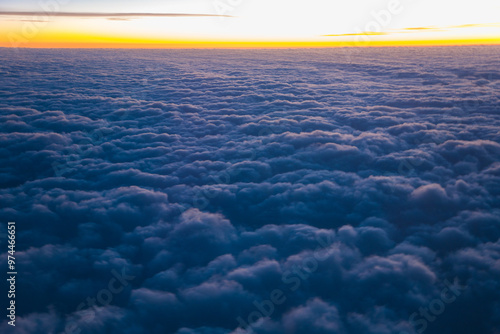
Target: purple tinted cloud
<point x="213" y="177"/>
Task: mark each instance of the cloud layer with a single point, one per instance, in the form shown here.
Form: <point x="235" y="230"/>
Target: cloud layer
<point x="330" y="191"/>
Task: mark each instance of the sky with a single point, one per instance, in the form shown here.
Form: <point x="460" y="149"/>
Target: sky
<point x="252" y="23"/>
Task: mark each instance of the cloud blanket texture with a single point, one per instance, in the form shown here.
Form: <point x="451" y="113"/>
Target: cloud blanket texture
<point x="235" y="191"/>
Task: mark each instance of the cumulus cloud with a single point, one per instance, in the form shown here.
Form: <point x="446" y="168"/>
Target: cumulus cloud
<point x="304" y="191"/>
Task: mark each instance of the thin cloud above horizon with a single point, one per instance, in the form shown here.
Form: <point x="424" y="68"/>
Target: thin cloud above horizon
<point x="415" y="29"/>
<point x="106" y="15"/>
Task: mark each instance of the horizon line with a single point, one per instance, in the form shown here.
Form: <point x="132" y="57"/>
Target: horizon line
<point x="252" y="45"/>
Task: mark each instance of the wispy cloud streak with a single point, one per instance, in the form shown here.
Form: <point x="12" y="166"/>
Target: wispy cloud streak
<point x="108" y="15"/>
<point x="416" y="29"/>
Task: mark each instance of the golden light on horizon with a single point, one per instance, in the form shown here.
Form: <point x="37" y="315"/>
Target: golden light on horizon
<point x="253" y="23"/>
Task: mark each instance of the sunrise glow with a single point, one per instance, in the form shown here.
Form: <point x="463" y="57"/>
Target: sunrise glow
<point x="247" y="23"/>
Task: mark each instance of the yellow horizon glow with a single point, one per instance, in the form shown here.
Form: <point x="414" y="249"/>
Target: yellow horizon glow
<point x="260" y="24"/>
<point x="54" y="39"/>
<point x="252" y="45"/>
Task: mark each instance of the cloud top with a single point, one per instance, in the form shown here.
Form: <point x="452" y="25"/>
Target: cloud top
<point x="283" y="191"/>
